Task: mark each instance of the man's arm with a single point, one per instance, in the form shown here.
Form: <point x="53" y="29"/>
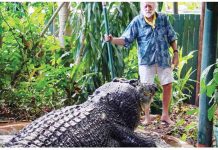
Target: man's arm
<point x="114" y="40"/>
<point x="175" y="59"/>
<point x="174" y="45"/>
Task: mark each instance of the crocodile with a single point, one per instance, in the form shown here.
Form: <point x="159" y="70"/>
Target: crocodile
<point x="108" y="118"/>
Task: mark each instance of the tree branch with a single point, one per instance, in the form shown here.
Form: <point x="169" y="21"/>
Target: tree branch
<point x="49" y="23"/>
<point x="11" y="29"/>
<point x="52" y="18"/>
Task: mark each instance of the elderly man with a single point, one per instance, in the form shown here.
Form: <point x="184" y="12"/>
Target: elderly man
<point x="154" y="35"/>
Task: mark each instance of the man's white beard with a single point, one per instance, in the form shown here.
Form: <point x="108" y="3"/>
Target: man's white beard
<point x="149" y="14"/>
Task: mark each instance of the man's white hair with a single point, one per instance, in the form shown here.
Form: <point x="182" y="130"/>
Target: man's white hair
<point x="142" y="5"/>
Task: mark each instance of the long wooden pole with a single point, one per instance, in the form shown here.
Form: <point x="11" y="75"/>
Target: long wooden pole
<point x="108" y="43"/>
<point x="200" y="53"/>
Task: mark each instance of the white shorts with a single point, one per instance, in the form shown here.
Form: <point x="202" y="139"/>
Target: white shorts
<point x="147" y="74"/>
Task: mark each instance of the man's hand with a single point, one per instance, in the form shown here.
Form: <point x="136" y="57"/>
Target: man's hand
<point x="114" y="40"/>
<point x="175" y="60"/>
<point x="108" y="38"/>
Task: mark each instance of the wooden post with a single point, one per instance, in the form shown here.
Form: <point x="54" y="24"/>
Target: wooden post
<point x="175" y="8"/>
<point x="205" y="127"/>
<point x="201" y="30"/>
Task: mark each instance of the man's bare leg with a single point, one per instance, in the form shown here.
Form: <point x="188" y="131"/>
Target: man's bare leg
<point x="148" y="118"/>
<point x="167" y="92"/>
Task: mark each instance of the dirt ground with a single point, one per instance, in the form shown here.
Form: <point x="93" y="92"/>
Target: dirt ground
<point x="185" y="117"/>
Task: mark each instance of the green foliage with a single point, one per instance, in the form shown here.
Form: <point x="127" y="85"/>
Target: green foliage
<point x="185" y="128"/>
<point x="131" y="64"/>
<point x="209" y="87"/>
<point x="191" y="130"/>
<point x="182" y="81"/>
<point x="36" y="74"/>
<point x="93" y="50"/>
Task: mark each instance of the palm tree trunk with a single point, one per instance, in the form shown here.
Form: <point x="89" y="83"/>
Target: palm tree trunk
<point x="63" y="15"/>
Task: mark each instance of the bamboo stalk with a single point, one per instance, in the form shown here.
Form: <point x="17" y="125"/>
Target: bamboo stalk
<point x="52" y="18"/>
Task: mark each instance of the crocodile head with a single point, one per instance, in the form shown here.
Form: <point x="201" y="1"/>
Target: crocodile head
<point x="146" y="92"/>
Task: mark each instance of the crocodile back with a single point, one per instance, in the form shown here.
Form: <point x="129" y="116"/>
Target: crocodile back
<point x="72" y="126"/>
<point x="122" y="99"/>
<point x="85" y="125"/>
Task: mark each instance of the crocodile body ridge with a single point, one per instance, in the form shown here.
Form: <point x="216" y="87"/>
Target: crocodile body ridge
<point x="107" y="119"/>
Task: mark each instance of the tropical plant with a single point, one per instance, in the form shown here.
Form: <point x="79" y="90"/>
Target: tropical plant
<point x="34" y="70"/>
<point x="183" y="81"/>
<point x="37" y="75"/>
<point x="90" y="47"/>
<point x="210" y="89"/>
<point x="131" y="65"/>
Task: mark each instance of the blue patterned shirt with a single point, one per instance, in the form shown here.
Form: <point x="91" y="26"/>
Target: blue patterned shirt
<point x="153" y="44"/>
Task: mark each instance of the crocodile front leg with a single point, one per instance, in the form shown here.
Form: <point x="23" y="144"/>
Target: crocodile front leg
<point x="128" y="138"/>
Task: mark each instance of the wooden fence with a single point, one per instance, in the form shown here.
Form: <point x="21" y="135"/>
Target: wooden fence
<point x="187" y="27"/>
